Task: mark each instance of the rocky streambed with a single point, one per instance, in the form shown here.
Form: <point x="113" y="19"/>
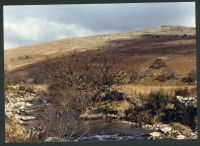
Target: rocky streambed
<point x="163" y="118"/>
<point x="113" y="116"/>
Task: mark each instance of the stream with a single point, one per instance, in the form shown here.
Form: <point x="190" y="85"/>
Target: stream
<point x="62" y="123"/>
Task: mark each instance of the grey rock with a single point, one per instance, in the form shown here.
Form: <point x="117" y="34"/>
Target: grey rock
<point x="155" y="134"/>
<point x="55" y="139"/>
<point x="166" y="129"/>
<point x="180" y="137"/>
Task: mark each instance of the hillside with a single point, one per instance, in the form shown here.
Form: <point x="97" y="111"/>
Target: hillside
<point x="166" y="38"/>
<point x="175" y="45"/>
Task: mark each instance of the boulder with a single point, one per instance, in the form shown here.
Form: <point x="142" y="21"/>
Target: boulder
<point x="180" y="137"/>
<point x="91" y="116"/>
<point x="55" y="139"/>
<point x="166" y="129"/>
<point x="155" y="134"/>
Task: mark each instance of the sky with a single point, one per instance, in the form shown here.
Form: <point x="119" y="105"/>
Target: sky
<point x="27" y="25"/>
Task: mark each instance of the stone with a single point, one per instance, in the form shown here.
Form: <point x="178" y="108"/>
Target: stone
<point x="27" y="118"/>
<point x="180" y="137"/>
<point x="112" y="116"/>
<point x="169" y="106"/>
<point x="54" y="139"/>
<point x="28" y="104"/>
<point x="148" y="126"/>
<point x="127" y="122"/>
<point x="155" y="134"/>
<point x="166" y="129"/>
<point x="91" y="116"/>
<point x="180" y="99"/>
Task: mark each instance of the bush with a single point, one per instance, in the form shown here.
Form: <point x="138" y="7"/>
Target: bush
<point x="158" y="101"/>
<point x="143" y="118"/>
<point x="166" y="75"/>
<point x="135" y="77"/>
<point x="24" y="57"/>
<point x="158" y="63"/>
<point x="183" y="92"/>
<point x="191" y="77"/>
<point x="84" y="71"/>
<point x="69" y="97"/>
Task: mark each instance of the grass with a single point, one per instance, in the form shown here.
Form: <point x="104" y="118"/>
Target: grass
<point x="121" y="107"/>
<point x="179" y="127"/>
<point x="14" y="132"/>
<point x="144" y="91"/>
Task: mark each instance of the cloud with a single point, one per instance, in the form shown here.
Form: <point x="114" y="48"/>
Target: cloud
<point x="9" y="45"/>
<point x="191" y="21"/>
<point x="25" y="25"/>
<point x="37" y="30"/>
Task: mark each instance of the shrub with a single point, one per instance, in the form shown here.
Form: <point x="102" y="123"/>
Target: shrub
<point x="158" y="101"/>
<point x="135" y="77"/>
<point x="69" y="97"/>
<point x="182" y="92"/>
<point x="191" y="77"/>
<point x="24" y="57"/>
<point x="166" y="75"/>
<point x="84" y="71"/>
<point x="143" y="117"/>
<point x="158" y="63"/>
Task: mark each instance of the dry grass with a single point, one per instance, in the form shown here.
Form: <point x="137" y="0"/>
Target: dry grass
<point x="179" y="126"/>
<point x="145" y="91"/>
<point x="121" y="106"/>
<point x="14" y="132"/>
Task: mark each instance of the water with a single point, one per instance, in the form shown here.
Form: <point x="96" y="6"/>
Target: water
<point x="102" y="130"/>
<point x="63" y="123"/>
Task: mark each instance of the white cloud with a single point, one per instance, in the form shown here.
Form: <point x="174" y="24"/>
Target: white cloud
<point x="38" y="30"/>
<point x="191" y="21"/>
<point x="8" y="45"/>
